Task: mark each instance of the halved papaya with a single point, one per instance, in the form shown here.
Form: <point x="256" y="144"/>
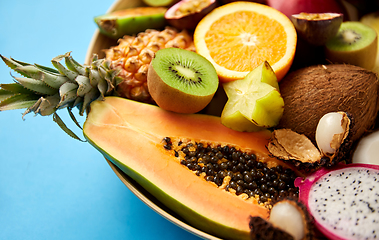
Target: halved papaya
<point x="159" y="150"/>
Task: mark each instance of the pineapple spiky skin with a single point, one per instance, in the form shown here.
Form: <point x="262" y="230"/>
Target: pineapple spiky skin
<point x="133" y="54"/>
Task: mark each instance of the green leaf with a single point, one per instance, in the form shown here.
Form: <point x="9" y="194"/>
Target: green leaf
<point x="12" y="63"/>
<point x="16" y="88"/>
<point x="68" y="93"/>
<point x="18" y="101"/>
<point x="45" y="105"/>
<point x="47" y="69"/>
<point x="84" y="85"/>
<point x="64" y="127"/>
<point x="4" y="94"/>
<point x="75" y="66"/>
<point x="73" y="118"/>
<point x="67" y="72"/>
<point x="36" y="86"/>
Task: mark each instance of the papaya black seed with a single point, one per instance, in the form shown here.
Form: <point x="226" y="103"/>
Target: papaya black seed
<point x="239" y="190"/>
<point x="233" y="184"/>
<point x="206" y="158"/>
<point x="223" y="166"/>
<point x="248" y="175"/>
<point x="214" y="159"/>
<point x="252" y="185"/>
<point x="264" y="188"/>
<point x="248" y="178"/>
<point x="240" y="183"/>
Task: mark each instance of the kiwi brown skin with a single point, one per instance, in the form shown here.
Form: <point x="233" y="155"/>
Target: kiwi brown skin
<point x="311" y="92"/>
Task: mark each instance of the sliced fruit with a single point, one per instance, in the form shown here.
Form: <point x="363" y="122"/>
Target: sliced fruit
<point x="317" y="28"/>
<point x="355" y="43"/>
<point x="131" y="21"/>
<point x="239" y="36"/>
<point x="181" y="81"/>
<point x="186" y="14"/>
<point x="175" y="157"/>
<point x="343" y="200"/>
<point x="253" y="102"/>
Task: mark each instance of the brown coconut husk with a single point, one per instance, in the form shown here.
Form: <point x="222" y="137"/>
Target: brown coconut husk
<point x="311" y="92"/>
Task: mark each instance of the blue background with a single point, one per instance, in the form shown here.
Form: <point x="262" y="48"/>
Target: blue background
<point x="52" y="186"/>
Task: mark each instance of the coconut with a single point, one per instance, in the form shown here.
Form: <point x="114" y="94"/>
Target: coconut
<point x="311" y="92"/>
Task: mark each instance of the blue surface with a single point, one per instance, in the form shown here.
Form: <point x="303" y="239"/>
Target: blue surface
<point x="52" y="186"/>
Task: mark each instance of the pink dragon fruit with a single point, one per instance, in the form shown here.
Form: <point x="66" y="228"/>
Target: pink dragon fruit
<point x="343" y="200"/>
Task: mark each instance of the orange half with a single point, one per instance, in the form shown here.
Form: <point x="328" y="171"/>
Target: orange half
<point x="238" y="37"/>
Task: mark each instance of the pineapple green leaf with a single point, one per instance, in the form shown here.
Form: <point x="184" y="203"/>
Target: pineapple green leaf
<point x="73" y="118"/>
<point x="75" y="66"/>
<point x="13" y="63"/>
<point x="64" y="127"/>
<point x="88" y="98"/>
<point x="36" y="86"/>
<point x="44" y="90"/>
<point x="4" y="94"/>
<point x="44" y="105"/>
<point x="47" y="69"/>
<point x="17" y="101"/>
<point x="67" y="93"/>
<point x="64" y="71"/>
<point x="16" y="88"/>
<point x="52" y="79"/>
<point x="84" y="85"/>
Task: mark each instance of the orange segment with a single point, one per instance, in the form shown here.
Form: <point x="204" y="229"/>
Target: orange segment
<point x="239" y="36"/>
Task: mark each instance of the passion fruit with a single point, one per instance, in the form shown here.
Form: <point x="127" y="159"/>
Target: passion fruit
<point x="186" y="14"/>
<point x="317" y="28"/>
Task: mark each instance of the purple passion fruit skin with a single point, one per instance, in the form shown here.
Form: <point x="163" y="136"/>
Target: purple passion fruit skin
<point x="186" y="14"/>
<point x="317" y="28"/>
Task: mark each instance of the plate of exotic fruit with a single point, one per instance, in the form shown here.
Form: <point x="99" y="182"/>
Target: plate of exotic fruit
<point x="231" y="119"/>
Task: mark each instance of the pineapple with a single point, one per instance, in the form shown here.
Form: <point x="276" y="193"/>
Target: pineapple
<point x="123" y="73"/>
<point x="133" y="55"/>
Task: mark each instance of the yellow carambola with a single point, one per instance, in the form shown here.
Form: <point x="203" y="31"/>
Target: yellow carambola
<point x="254" y="102"/>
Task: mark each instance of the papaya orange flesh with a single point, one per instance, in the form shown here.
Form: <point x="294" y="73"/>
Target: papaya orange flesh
<point x="131" y="135"/>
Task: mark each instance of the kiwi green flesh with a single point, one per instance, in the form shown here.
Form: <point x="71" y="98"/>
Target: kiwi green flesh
<point x="186" y="71"/>
<point x="352" y="36"/>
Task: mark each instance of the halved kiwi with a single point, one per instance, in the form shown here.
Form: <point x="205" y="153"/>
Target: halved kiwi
<point x="355" y="43"/>
<point x="181" y="81"/>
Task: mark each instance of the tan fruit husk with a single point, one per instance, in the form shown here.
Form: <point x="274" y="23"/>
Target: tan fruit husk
<point x="311" y="92"/>
<point x="299" y="150"/>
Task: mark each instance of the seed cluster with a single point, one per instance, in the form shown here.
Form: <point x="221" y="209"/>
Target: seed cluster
<point x="236" y="171"/>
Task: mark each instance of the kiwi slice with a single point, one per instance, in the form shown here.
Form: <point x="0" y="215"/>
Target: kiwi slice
<point x="181" y="81"/>
<point x="355" y="43"/>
